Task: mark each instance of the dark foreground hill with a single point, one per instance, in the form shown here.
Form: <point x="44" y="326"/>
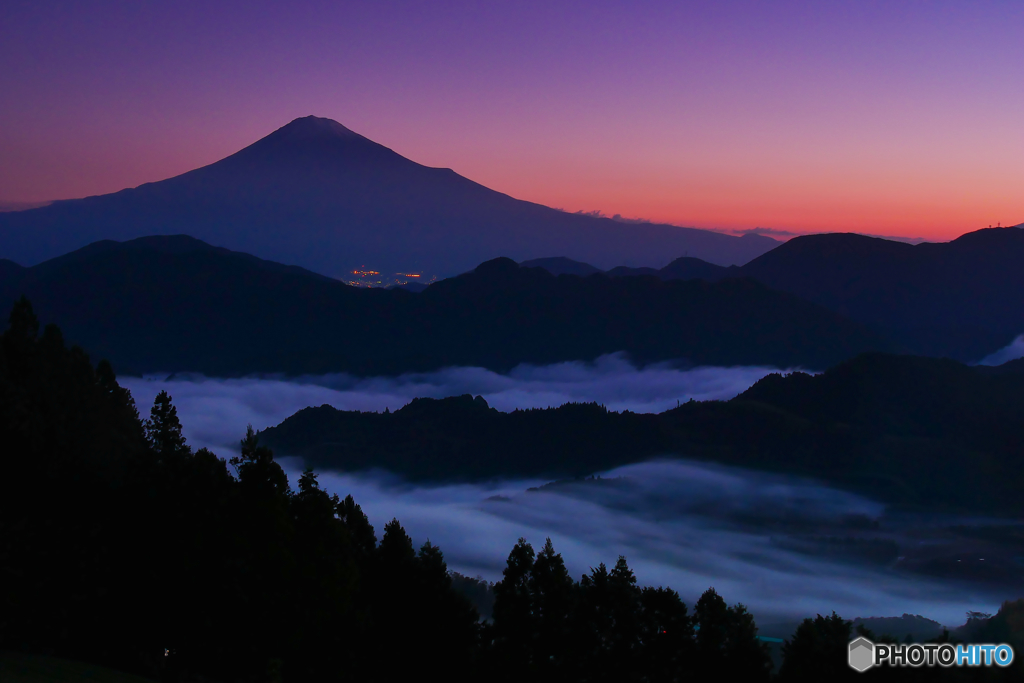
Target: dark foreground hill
<point x="913" y="432"/>
<point x="176" y="304"/>
<point x="962" y="299"/>
<point x="318" y="195"/>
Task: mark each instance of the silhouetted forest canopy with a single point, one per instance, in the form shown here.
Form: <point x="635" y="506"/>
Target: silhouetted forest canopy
<point x="121" y="545"/>
<point x="917" y="433"/>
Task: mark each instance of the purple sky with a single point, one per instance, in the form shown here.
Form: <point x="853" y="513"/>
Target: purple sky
<point x="881" y="117"/>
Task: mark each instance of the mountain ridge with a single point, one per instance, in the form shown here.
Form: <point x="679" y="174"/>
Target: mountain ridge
<point x="166" y="304"/>
<point x="963" y="299"/>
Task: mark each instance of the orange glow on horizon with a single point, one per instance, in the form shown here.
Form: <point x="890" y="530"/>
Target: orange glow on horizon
<point x="897" y="119"/>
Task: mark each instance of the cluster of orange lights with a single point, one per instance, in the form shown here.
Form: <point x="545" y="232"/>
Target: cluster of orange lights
<point x="363" y="277"/>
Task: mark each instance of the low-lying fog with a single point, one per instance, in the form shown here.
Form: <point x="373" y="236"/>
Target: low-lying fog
<point x="758" y="539"/>
<point x="783" y="546"/>
<point x="214" y="412"/>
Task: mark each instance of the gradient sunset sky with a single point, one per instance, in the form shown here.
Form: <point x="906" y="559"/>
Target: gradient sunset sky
<point x="903" y="117"/>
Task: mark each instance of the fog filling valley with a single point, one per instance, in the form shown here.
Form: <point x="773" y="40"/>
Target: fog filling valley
<point x="214" y="412"/>
<point x="784" y="546"/>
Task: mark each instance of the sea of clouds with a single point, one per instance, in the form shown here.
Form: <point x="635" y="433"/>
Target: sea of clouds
<point x="683" y="524"/>
<point x="215" y="411"/>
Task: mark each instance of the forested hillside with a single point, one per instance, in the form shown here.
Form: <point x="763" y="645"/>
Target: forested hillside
<point x="124" y="547"/>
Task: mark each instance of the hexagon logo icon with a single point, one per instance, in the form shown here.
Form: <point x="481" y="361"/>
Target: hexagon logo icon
<point x="862" y="654"/>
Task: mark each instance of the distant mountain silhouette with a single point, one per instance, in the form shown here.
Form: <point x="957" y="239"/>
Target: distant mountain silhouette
<point x="690" y="268"/>
<point x="962" y="299"/>
<point x="174" y="303"/>
<point x="683" y="268"/>
<point x="318" y="195"/>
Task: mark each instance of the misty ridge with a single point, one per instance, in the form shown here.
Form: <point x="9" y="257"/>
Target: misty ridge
<point x="920" y="434"/>
<point x="216" y="407"/>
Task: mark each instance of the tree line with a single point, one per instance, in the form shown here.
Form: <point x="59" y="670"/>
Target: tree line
<point x="122" y="545"/>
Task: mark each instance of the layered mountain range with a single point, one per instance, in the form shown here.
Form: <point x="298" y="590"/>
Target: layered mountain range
<point x="174" y="303"/>
<point x="324" y="199"/>
<point x="963" y="299"/>
<point x="317" y="195"/>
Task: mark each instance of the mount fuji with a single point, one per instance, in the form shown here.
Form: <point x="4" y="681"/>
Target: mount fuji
<point x="318" y="195"/>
